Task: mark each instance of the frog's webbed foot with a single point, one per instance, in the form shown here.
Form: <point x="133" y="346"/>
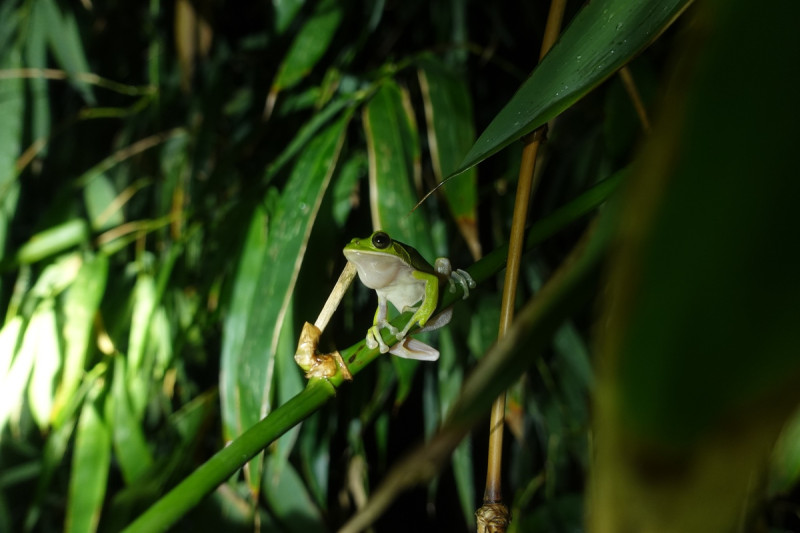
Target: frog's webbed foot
<point x="409" y="348"/>
<point x="455" y="277"/>
<point x="375" y="340"/>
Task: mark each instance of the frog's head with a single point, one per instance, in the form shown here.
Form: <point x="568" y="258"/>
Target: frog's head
<point x="377" y="243"/>
<point x="378" y="259"/>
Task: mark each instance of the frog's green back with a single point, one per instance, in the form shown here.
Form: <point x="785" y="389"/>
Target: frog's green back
<point x="413" y="257"/>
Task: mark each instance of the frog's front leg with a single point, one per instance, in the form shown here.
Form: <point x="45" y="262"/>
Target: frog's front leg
<point x="428" y="305"/>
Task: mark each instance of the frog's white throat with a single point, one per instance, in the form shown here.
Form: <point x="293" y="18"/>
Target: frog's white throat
<point x="376" y="270"/>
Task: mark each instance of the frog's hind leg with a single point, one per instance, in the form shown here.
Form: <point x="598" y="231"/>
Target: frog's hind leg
<point x="374" y="338"/>
<point x="410" y="348"/>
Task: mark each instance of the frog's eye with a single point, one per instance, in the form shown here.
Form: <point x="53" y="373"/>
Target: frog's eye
<point x="380" y="240"/>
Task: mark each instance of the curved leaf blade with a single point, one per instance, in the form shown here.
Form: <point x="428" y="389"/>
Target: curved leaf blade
<point x="393" y="153"/>
<point x="603" y="37"/>
<point x="448" y="113"/>
<point x="309" y="45"/>
<point x="12" y="111"/>
<point x="265" y="282"/>
<point x="90" y="466"/>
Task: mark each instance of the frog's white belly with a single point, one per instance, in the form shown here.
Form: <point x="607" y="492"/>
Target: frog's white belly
<point x="404" y="291"/>
<point x="391" y="278"/>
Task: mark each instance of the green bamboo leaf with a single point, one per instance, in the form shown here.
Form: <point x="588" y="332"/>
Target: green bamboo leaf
<point x="309" y="45"/>
<point x="139" y="357"/>
<point x="463" y="466"/>
<point x="785" y="465"/>
<point x="16" y="379"/>
<point x="53" y="240"/>
<point x="450" y="378"/>
<point x="79" y="306"/>
<point x="159" y="343"/>
<point x="314" y="451"/>
<point x="290" y="382"/>
<point x="90" y="464"/>
<point x="604" y="36"/>
<point x="265" y="282"/>
<point x="12" y="110"/>
<point x="10" y="337"/>
<point x="285" y="11"/>
<point x="346" y="181"/>
<point x="47" y="364"/>
<point x="98" y="196"/>
<point x="130" y="444"/>
<point x="307" y="132"/>
<point x="448" y="113"/>
<point x="9" y="22"/>
<point x="298" y="513"/>
<point x="393" y="148"/>
<point x="54" y="453"/>
<point x="66" y="46"/>
<point x="36" y="57"/>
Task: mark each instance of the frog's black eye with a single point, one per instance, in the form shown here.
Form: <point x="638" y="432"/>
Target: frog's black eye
<point x="380" y="240"/>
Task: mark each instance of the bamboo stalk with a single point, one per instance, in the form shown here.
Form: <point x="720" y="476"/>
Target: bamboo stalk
<point x="493" y="516"/>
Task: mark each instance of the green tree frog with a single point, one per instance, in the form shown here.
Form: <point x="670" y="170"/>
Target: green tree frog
<point x="400" y="275"/>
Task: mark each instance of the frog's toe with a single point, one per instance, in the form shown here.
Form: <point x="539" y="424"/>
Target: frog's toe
<point x="371" y="342"/>
<point x="374" y="340"/>
<point x="463" y="279"/>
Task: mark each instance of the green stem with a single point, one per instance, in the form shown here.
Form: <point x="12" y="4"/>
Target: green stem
<point x="224" y="463"/>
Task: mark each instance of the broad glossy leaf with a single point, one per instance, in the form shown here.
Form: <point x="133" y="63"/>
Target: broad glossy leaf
<point x="344" y="187"/>
<point x="297" y="513"/>
<point x="451" y="132"/>
<point x="10" y="337"/>
<point x="130" y="445"/>
<point x="139" y="357"/>
<point x="265" y="281"/>
<point x="47" y="364"/>
<point x="15" y="381"/>
<point x="603" y="37"/>
<point x="36" y="57"/>
<point x="310" y="43"/>
<point x="12" y="109"/>
<point x="53" y="240"/>
<point x="290" y="382"/>
<point x="313" y="127"/>
<point x="66" y="45"/>
<point x="393" y="152"/>
<point x="90" y="464"/>
<point x="79" y="305"/>
<point x="285" y="11"/>
<point x="99" y="195"/>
